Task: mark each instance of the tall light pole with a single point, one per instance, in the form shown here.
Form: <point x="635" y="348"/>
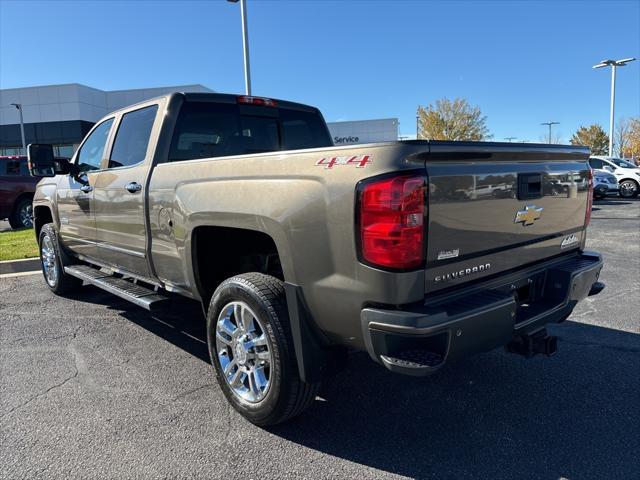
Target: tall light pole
<point x="417" y="126"/>
<point x="613" y="64"/>
<point x="24" y="144"/>
<point x="510" y="139"/>
<point x="245" y="44"/>
<point x="550" y="123"/>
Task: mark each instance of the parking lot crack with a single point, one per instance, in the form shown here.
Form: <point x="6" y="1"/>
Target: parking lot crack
<point x="48" y="390"/>
<point x="189" y="392"/>
<point x="71" y="335"/>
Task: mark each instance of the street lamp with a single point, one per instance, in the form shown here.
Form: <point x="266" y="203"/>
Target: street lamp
<point x="24" y="144"/>
<point x="510" y="139"/>
<point x="245" y="44"/>
<point x="550" y="123"/>
<point x="613" y="64"/>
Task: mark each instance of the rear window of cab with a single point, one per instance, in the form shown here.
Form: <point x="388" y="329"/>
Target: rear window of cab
<point x="208" y="129"/>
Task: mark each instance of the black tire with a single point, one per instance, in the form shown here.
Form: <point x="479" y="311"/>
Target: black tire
<point x="629" y="188"/>
<point x="287" y="396"/>
<point x="22" y="216"/>
<point x="63" y="282"/>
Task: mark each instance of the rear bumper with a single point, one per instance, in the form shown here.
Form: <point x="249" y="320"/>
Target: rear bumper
<point x="420" y="339"/>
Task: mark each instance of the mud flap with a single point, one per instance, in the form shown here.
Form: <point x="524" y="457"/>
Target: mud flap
<point x="316" y="359"/>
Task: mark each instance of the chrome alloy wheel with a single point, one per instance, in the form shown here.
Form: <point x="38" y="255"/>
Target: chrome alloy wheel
<point x="49" y="264"/>
<point x="243" y="352"/>
<point x="628" y="188"/>
<point x="26" y="216"/>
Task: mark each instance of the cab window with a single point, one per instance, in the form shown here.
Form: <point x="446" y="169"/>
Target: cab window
<point x="211" y="129"/>
<point x="92" y="150"/>
<point x="132" y="138"/>
<point x="13" y="167"/>
<point x="595" y="163"/>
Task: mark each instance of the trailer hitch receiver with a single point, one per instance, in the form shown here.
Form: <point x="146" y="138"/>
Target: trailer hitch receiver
<point x="530" y="344"/>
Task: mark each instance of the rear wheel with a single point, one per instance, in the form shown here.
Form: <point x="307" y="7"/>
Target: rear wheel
<point x="599" y="194"/>
<point x="251" y="348"/>
<point x="22" y="216"/>
<point x="53" y="259"/>
<point x="628" y="188"/>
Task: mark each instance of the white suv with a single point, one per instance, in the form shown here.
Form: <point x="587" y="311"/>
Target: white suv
<point x="627" y="173"/>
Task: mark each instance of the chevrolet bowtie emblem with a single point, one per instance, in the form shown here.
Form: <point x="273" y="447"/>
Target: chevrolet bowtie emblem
<point x="530" y="214"/>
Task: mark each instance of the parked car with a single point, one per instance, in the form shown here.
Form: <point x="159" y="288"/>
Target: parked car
<point x="301" y="251"/>
<point x="627" y="173"/>
<point x="16" y="191"/>
<point x="604" y="183"/>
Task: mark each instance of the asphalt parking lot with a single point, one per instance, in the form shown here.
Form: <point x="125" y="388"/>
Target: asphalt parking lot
<point x="94" y="387"/>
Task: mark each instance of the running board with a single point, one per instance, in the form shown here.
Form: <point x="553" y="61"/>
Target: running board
<point x="142" y="296"/>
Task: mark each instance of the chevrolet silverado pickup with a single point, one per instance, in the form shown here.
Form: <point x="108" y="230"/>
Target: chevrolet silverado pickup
<point x="301" y="252"/>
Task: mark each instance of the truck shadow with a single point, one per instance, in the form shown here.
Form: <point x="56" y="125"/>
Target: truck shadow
<point x="574" y="415"/>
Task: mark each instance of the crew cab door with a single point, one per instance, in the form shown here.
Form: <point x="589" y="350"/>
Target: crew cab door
<point x="120" y="193"/>
<point x="75" y="195"/>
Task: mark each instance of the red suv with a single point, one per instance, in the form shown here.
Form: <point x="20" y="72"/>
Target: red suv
<point x="16" y="191"/>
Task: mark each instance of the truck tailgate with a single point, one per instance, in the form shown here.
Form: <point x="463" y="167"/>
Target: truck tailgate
<point x="495" y="207"/>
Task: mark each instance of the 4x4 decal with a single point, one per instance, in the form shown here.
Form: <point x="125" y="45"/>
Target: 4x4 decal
<point x="360" y="161"/>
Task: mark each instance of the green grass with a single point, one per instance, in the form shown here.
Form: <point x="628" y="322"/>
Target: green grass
<point x="16" y="244"/>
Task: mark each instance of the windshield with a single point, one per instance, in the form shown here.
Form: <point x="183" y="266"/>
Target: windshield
<point x="622" y="163"/>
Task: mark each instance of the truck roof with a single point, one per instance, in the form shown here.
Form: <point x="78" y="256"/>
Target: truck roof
<point x="218" y="98"/>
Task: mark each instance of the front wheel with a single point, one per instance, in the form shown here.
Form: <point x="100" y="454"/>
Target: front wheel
<point x="251" y="348"/>
<point x="22" y="216"/>
<point x="53" y="258"/>
<point x="628" y="188"/>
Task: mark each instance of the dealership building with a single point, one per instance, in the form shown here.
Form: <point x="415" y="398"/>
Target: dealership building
<point x="62" y="115"/>
<point x="364" y="131"/>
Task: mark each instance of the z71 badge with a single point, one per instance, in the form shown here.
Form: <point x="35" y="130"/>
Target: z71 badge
<point x="359" y="161"/>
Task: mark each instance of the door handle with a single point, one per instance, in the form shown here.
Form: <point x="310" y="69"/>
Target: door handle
<point x="133" y="187"/>
<point x="86" y="188"/>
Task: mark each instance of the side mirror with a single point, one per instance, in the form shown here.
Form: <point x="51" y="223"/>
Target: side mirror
<point x="609" y="169"/>
<point x="42" y="163"/>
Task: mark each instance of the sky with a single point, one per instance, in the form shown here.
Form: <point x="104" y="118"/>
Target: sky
<point x="521" y="62"/>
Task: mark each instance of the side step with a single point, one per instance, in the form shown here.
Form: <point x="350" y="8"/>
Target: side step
<point x="141" y="296"/>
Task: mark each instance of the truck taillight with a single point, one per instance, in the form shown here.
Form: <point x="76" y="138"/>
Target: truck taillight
<point x="391" y="222"/>
<point x="249" y="100"/>
<point x="587" y="215"/>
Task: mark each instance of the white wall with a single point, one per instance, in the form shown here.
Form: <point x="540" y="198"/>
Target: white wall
<point x="54" y="103"/>
<point x="364" y="131"/>
<point x="121" y="98"/>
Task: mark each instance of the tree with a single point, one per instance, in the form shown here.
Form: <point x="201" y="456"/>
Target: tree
<point x="621" y="137"/>
<point x="593" y="137"/>
<point x="452" y="120"/>
<point x="627" y="138"/>
<point x="556" y="138"/>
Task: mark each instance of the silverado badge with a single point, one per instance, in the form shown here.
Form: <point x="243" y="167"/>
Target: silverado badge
<point x="530" y="214"/>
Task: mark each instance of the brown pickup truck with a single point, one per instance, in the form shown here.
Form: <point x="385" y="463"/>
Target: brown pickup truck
<point x="417" y="252"/>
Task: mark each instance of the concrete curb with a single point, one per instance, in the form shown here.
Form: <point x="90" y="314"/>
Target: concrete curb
<point x="19" y="266"/>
